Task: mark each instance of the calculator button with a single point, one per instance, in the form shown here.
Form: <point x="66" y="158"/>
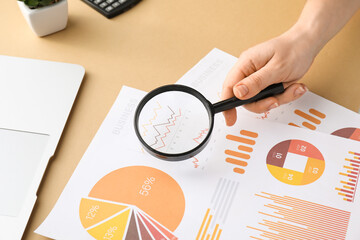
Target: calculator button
<point x="98" y="1"/>
<point x="104" y="4"/>
<point x="115" y="4"/>
<point x="110" y="1"/>
<point x="122" y="1"/>
<point x="109" y="8"/>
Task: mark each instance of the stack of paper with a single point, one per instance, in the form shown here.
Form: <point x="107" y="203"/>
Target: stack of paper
<point x="256" y="180"/>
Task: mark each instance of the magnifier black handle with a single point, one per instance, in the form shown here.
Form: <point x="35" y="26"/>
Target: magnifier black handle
<point x="235" y="102"/>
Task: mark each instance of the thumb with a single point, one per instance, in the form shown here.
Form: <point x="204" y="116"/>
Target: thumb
<point x="254" y="83"/>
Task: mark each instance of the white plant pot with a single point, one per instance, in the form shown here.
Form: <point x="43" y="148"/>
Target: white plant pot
<point x="46" y="20"/>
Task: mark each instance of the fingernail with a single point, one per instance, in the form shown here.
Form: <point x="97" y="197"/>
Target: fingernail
<point x="299" y="91"/>
<point x="242" y="90"/>
<point x="274" y="105"/>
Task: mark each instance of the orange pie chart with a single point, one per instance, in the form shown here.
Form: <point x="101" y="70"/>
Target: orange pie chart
<point x="136" y="202"/>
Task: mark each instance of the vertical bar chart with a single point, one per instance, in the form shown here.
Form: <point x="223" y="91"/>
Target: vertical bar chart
<point x="350" y="176"/>
<point x="289" y="218"/>
<point x="220" y="207"/>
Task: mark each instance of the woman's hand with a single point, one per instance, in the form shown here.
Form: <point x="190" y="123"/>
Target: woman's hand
<point x="286" y="58"/>
<point x="283" y="59"/>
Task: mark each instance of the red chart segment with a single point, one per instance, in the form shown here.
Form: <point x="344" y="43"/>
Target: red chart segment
<point x="156" y="233"/>
<point x="165" y="231"/>
<point x="350" y="133"/>
<point x="295" y="162"/>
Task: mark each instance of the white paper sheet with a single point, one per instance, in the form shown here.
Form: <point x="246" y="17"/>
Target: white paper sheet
<point x="189" y="193"/>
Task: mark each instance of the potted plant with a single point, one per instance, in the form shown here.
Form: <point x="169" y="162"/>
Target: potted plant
<point x="45" y="16"/>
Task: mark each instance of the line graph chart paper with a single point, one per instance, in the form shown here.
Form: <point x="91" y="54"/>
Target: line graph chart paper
<point x="173" y="124"/>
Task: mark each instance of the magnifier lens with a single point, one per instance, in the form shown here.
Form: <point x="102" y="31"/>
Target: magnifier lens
<point x="174" y="122"/>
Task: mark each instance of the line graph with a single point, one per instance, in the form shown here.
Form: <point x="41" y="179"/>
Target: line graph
<point x="201" y="135"/>
<point x="161" y="124"/>
<point x="150" y="121"/>
<point x="170" y="122"/>
<point x="173" y="122"/>
<point x="195" y="162"/>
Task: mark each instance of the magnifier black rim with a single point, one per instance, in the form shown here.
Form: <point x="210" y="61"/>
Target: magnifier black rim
<point x="180" y="88"/>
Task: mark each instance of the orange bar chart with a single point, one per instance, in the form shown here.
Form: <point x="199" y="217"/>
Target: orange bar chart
<point x="288" y="218"/>
<point x="203" y="233"/>
<point x="217" y="213"/>
<point x="349" y="177"/>
<point x="313" y="118"/>
<point x="240" y="156"/>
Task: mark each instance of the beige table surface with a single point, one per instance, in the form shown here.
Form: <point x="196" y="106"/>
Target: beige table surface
<point x="153" y="44"/>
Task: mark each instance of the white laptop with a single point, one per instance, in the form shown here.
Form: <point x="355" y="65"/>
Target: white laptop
<point x="35" y="101"/>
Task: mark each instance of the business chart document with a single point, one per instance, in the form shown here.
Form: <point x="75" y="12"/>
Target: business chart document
<point x="256" y="180"/>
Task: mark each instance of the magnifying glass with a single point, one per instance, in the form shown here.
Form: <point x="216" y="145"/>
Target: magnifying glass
<point x="174" y="122"/>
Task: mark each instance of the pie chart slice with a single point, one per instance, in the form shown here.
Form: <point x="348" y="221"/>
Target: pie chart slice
<point x="350" y="133"/>
<point x="158" y="226"/>
<point x="295" y="162"/>
<point x="113" y="228"/>
<point x="94" y="211"/>
<point x="135" y="202"/>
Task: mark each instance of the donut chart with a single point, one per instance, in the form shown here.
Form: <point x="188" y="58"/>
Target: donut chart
<point x="350" y="133"/>
<point x="136" y="202"/>
<point x="295" y="162"/>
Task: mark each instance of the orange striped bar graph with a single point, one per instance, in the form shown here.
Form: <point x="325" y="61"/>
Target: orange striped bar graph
<point x="203" y="231"/>
<point x="313" y="118"/>
<point x="350" y="176"/>
<point x="288" y="218"/>
<point x="239" y="156"/>
<point x="354" y="153"/>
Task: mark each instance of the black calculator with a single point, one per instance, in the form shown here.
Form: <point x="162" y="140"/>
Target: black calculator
<point x="111" y="8"/>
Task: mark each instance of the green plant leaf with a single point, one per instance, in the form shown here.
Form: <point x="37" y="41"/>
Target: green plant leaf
<point x="46" y="2"/>
<point x="38" y="3"/>
<point x="32" y="3"/>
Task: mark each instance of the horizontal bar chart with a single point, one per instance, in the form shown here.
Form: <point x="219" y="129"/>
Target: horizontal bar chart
<point x="243" y="152"/>
<point x="313" y="118"/>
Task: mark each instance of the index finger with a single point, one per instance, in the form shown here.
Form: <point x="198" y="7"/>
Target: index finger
<point x="234" y="76"/>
